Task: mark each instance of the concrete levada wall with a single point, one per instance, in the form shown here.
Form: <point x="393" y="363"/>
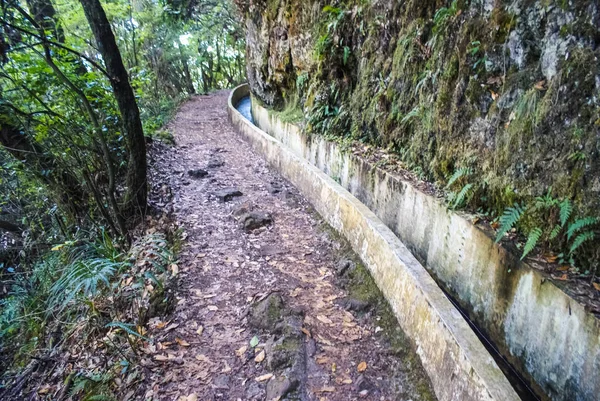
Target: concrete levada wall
<point x="546" y="335"/>
<point x="458" y="364"/>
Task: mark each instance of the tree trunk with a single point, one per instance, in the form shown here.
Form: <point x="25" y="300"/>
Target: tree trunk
<point x="136" y="195"/>
<point x="189" y="82"/>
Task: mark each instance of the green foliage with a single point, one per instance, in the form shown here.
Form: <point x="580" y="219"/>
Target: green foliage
<point x="580" y="224"/>
<point x="551" y="222"/>
<point x="89" y="285"/>
<point x="465" y="189"/>
<point x="83" y="277"/>
<point x="532" y="240"/>
<point x="581" y="239"/>
<point x="508" y="220"/>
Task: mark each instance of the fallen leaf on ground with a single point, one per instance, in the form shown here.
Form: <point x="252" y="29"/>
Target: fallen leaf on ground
<point x="161" y="358"/>
<point x="305" y="331"/>
<point x="326" y="389"/>
<point x="324" y="319"/>
<point x="254" y="341"/>
<point x="362" y="366"/>
<point x="181" y="342"/>
<point x="322" y="359"/>
<point x="172" y="326"/>
<point x="200" y="330"/>
<point x="596" y="286"/>
<point x="241" y="351"/>
<point x="264" y="377"/>
<point x="44" y="390"/>
<point x="174" y="269"/>
<point x="192" y="397"/>
<point x="202" y="357"/>
<point x="212" y="308"/>
<point x="260" y="357"/>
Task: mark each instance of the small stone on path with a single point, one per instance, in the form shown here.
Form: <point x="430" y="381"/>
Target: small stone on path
<point x="198" y="173"/>
<point x="254" y="220"/>
<point x="227" y="194"/>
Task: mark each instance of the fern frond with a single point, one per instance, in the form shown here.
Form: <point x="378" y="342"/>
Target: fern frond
<point x="566" y="208"/>
<point x="580" y="239"/>
<point x="83" y="275"/>
<point x="579" y="224"/>
<point x="416" y="112"/>
<point x="509" y="218"/>
<point x="458" y="174"/>
<point x="532" y="240"/>
<point x="554" y="233"/>
<point x="461" y="196"/>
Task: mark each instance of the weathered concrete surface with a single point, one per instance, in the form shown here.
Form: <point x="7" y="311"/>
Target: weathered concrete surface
<point x="459" y="366"/>
<point x="544" y="333"/>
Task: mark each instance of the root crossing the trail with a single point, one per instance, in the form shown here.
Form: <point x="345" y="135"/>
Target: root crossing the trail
<point x="271" y="303"/>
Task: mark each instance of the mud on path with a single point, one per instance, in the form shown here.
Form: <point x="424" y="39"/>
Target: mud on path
<point x="269" y="303"/>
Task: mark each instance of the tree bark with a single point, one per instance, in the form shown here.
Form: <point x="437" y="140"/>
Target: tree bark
<point x="136" y="194"/>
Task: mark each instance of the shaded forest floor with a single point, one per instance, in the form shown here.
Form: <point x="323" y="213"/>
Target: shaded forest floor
<point x="271" y="304"/>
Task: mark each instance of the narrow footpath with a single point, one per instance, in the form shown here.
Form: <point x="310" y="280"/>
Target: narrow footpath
<point x="270" y="303"/>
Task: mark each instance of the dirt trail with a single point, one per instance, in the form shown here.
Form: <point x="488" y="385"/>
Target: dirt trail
<point x="241" y="276"/>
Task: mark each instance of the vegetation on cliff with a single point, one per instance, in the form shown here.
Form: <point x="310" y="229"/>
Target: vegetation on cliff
<point x="497" y="102"/>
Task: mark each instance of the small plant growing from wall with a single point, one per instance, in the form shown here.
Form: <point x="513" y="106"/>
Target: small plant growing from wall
<point x="551" y="223"/>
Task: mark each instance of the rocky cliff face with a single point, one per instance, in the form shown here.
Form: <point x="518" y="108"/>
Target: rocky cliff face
<point x="506" y="90"/>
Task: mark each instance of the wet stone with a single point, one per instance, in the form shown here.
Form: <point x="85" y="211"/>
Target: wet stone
<point x="242" y="209"/>
<point x="215" y="163"/>
<point x="267" y="313"/>
<point x="221" y="382"/>
<point x="344" y="267"/>
<point x="227" y="194"/>
<point x="275" y="188"/>
<point x="352" y="304"/>
<point x="254" y="220"/>
<point x="198" y="173"/>
<point x="279" y="387"/>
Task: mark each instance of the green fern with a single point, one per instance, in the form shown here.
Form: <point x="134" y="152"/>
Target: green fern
<point x="554" y="233"/>
<point x="458" y="174"/>
<point x="579" y="224"/>
<point x="580" y="239"/>
<point x="532" y="240"/>
<point x="461" y="196"/>
<point x="416" y="112"/>
<point x="82" y="276"/>
<point x="566" y="208"/>
<point x="509" y="218"/>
